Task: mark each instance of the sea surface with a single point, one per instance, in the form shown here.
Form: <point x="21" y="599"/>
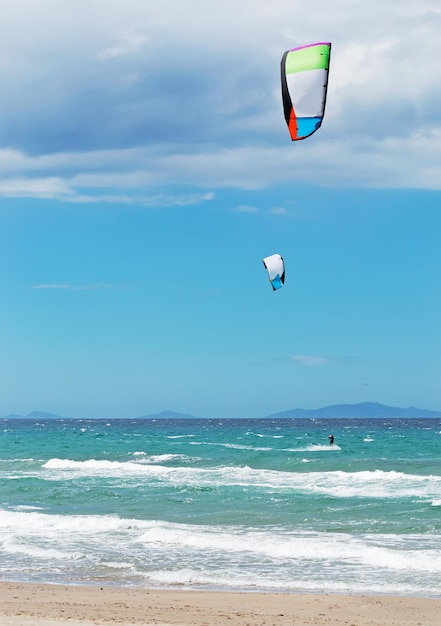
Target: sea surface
<point x="249" y="505"/>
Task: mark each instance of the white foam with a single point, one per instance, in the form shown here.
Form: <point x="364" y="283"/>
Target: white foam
<point x="266" y="436"/>
<point x="226" y="556"/>
<point x="28" y="507"/>
<point x="341" y="484"/>
<point x="233" y="446"/>
<point x="37" y="552"/>
<point x="385" y="551"/>
<point x="315" y="447"/>
<point x="165" y="458"/>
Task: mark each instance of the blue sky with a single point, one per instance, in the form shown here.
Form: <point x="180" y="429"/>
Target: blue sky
<point x="145" y="171"/>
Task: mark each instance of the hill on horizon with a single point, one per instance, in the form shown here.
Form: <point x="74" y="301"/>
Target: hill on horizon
<point x="35" y="415"/>
<point x="360" y="410"/>
<point x="46" y="415"/>
<point x="168" y="415"/>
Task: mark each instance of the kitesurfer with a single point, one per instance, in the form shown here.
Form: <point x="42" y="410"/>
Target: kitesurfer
<point x="331" y="440"/>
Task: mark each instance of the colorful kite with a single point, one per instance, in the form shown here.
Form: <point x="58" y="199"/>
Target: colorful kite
<point x="276" y="270"/>
<point x="304" y="73"/>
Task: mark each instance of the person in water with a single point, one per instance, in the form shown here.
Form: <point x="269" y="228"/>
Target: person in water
<point x="331" y="440"/>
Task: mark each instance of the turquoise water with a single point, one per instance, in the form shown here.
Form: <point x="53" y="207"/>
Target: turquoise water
<point x="223" y="504"/>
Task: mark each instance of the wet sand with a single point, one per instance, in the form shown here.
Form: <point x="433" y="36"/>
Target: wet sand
<point x="60" y="605"/>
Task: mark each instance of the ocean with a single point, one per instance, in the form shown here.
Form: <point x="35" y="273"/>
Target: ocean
<point x="222" y="504"/>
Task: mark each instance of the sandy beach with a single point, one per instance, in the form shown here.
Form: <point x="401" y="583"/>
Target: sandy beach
<point x="59" y="605"/>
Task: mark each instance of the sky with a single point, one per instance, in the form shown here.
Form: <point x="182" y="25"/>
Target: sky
<point x="145" y="171"/>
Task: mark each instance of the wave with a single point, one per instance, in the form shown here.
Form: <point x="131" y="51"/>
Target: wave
<point x="339" y="484"/>
<point x="163" y="458"/>
<point x="265" y="436"/>
<point x="315" y="447"/>
<point x="77" y="547"/>
<point x="231" y="446"/>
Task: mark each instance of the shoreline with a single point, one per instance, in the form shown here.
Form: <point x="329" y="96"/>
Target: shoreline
<point x="35" y="604"/>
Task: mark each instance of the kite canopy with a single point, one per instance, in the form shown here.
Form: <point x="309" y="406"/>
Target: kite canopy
<point x="304" y="74"/>
<point x="276" y="270"/>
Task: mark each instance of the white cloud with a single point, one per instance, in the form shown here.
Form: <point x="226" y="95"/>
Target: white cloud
<point x="120" y="97"/>
<point x="126" y="44"/>
<point x="75" y="287"/>
<point x="120" y="175"/>
<point x="182" y="200"/>
<point x="68" y="190"/>
<point x="34" y="187"/>
<point x="52" y="188"/>
<point x="278" y="210"/>
<point x="244" y="208"/>
<point x="305" y="359"/>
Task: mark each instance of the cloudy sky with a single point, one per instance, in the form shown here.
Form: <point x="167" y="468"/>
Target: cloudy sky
<point x="145" y="171"/>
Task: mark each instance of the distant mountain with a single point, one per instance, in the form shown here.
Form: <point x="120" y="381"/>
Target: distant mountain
<point x="41" y="415"/>
<point x="36" y="415"/>
<point x="363" y="409"/>
<point x="168" y="415"/>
